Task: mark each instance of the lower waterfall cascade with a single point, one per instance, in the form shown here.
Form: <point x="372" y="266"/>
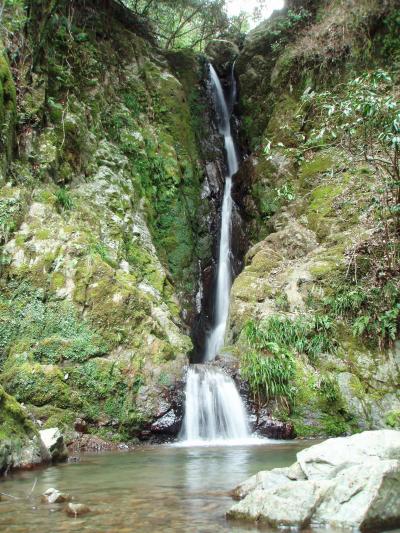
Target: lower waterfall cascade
<point x="214" y="411"/>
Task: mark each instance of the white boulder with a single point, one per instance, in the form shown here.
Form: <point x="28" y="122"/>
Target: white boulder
<point x="53" y="441"/>
<point x="327" y="459"/>
<point x="53" y="495"/>
<point x="348" y="483"/>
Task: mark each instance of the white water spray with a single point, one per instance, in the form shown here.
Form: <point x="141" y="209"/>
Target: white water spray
<point x="214" y="410"/>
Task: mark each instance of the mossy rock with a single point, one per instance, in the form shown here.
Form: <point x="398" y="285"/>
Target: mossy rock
<point x="310" y="170"/>
<point x="284" y="122"/>
<point x="321" y="213"/>
<point x="20" y="444"/>
<point x="14" y="421"/>
<point x="7" y="113"/>
<point x="39" y="384"/>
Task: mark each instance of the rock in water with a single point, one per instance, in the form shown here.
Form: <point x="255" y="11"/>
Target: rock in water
<point x="54" y="442"/>
<point x="77" y="509"/>
<point x="267" y="426"/>
<point x="350" y="483"/>
<point x="55" y="496"/>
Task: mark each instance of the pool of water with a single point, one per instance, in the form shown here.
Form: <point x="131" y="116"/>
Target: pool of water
<point x="151" y="489"/>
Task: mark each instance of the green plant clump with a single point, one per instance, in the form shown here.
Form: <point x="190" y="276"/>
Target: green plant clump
<point x="269" y="374"/>
<point x="64" y="199"/>
<point x="311" y="335"/>
<point x="372" y="312"/>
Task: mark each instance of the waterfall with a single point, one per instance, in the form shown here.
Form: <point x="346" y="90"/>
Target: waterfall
<point x="215" y="339"/>
<point x="214" y="411"/>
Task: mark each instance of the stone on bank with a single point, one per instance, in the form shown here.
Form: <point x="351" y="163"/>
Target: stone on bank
<point x="348" y="482"/>
<point x="53" y="440"/>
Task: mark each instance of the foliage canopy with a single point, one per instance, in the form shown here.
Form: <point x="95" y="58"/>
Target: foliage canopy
<point x="183" y="23"/>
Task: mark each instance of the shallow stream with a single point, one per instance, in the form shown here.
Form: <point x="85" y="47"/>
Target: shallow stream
<point x="149" y="490"/>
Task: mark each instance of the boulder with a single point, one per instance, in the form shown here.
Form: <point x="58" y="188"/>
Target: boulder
<point x="352" y="483"/>
<point x="77" y="509"/>
<point x="222" y="54"/>
<point x="274" y="429"/>
<point x="291" y="504"/>
<point x="366" y="497"/>
<point x="55" y="496"/>
<point x="327" y="459"/>
<point x="53" y="440"/>
<point x="268" y="479"/>
<point x="89" y="443"/>
<point x="168" y="424"/>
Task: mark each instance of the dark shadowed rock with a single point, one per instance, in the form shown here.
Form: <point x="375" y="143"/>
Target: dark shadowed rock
<point x="80" y="425"/>
<point x="272" y="428"/>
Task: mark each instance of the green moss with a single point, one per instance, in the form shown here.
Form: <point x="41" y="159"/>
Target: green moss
<point x="320" y="212"/>
<point x="329" y="263"/>
<point x="57" y="281"/>
<point x="99" y="161"/>
<point x="311" y="169"/>
<point x="38" y="384"/>
<point x="250" y="287"/>
<point x="106" y="391"/>
<point x="14" y="423"/>
<point x="52" y="331"/>
<point x="52" y="416"/>
<point x="114" y="305"/>
<point x="285" y="121"/>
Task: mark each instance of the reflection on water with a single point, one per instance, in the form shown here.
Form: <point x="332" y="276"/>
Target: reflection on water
<point x="154" y="489"/>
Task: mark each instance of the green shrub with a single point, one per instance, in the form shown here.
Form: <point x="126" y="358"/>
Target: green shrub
<point x="392" y="419"/>
<point x="334" y="426"/>
<point x="362" y="116"/>
<point x="329" y="389"/>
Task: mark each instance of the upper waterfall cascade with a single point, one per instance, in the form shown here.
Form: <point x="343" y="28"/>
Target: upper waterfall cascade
<point x="215" y="339"/>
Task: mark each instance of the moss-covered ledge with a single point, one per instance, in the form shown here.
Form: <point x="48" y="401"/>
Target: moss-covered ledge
<point x="20" y="443"/>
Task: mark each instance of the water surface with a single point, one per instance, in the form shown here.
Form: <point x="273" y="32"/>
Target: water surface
<point x="151" y="489"/>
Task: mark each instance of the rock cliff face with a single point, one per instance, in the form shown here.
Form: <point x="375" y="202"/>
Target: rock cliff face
<point x="315" y="270"/>
<point x="105" y="215"/>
